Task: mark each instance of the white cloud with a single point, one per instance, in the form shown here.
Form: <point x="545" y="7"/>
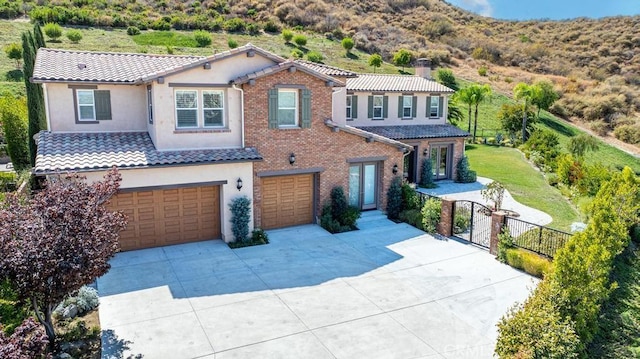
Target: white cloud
<point x="482" y="7"/>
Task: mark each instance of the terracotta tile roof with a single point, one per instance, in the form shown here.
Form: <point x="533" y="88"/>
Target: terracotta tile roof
<point x="407" y="132"/>
<point x="100" y="150"/>
<point x="394" y="83"/>
<point x="326" y="69"/>
<point x="369" y="135"/>
<point x="285" y="66"/>
<point x="53" y="65"/>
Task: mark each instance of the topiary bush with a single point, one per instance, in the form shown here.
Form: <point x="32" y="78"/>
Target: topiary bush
<point x="394" y="198"/>
<point x="426" y="174"/>
<point x="464" y="174"/>
<point x="297" y="53"/>
<point x="259" y="236"/>
<point x="203" y="38"/>
<point x="232" y="43"/>
<point x="74" y="36"/>
<point x="240" y="216"/>
<point x="53" y="31"/>
<point x="315" y="56"/>
<point x="287" y="35"/>
<point x="300" y="40"/>
<point x="431" y="214"/>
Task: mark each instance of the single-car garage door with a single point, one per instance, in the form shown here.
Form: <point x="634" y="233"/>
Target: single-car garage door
<point x="169" y="216"/>
<point x="287" y="201"/>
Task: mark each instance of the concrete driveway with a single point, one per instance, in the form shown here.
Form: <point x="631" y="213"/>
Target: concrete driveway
<point x="385" y="291"/>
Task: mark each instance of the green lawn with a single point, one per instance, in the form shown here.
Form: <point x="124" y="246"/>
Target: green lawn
<point x="527" y="185"/>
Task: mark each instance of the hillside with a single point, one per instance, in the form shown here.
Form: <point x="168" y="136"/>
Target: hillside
<point x="595" y="64"/>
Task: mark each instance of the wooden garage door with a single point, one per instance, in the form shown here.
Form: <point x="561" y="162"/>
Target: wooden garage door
<point x="287" y="201"/>
<point x="169" y="216"/>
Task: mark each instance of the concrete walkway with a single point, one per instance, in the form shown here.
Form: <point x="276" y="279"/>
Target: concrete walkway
<point x="385" y="291"/>
<point x="471" y="192"/>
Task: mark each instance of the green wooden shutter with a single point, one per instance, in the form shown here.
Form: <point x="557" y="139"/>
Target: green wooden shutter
<point x="440" y="106"/>
<point x="354" y="107"/>
<point x="102" y="99"/>
<point x="305" y="119"/>
<point x="428" y="113"/>
<point x="370" y="108"/>
<point x="385" y="106"/>
<point x="414" y="107"/>
<point x="400" y="106"/>
<point x="273" y="108"/>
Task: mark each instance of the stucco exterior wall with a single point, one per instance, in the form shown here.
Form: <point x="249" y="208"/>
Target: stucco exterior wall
<point x="128" y="109"/>
<point x="314" y="147"/>
<point x="176" y="175"/>
<point x="392" y="119"/>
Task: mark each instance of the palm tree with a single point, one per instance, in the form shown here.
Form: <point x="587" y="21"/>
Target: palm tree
<point x="479" y="93"/>
<point x="466" y="97"/>
<point x="524" y="92"/>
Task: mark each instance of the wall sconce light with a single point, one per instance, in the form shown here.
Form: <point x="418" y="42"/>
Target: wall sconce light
<point x="160" y="80"/>
<point x="292" y="158"/>
<point x="395" y="169"/>
<point x="207" y="66"/>
<point x="425" y="152"/>
<point x="239" y="184"/>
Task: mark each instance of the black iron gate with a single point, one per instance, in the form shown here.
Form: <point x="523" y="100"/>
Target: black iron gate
<point x="472" y="222"/>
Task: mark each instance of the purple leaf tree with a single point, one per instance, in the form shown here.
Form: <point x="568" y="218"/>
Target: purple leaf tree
<point x="28" y="341"/>
<point x="58" y="240"/>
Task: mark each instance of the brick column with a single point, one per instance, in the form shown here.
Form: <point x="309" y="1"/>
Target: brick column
<point x="497" y="222"/>
<point x="446" y="218"/>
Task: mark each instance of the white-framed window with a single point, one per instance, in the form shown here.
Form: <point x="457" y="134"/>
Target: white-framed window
<point x="186" y="108"/>
<point x="287" y="107"/>
<point x="213" y="108"/>
<point x="407" y="106"/>
<point x="150" y="103"/>
<point x="378" y="107"/>
<point x="349" y="107"/>
<point x="86" y="105"/>
<point x="434" y="106"/>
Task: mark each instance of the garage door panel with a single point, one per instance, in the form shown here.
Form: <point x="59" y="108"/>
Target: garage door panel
<point x="172" y="216"/>
<point x="287" y="201"/>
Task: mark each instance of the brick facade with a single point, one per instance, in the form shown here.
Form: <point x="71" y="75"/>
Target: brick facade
<point x="458" y="151"/>
<point x="314" y="147"/>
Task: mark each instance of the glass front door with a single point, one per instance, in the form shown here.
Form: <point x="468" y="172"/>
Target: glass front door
<point x="441" y="161"/>
<point x="363" y="185"/>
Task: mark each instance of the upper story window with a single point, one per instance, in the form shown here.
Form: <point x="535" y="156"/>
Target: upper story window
<point x="378" y="107"/>
<point x="150" y="103"/>
<point x="92" y="105"/>
<point x="349" y="108"/>
<point x="289" y="107"/>
<point x="434" y="106"/>
<point x="199" y="108"/>
<point x="213" y="109"/>
<point x="407" y="106"/>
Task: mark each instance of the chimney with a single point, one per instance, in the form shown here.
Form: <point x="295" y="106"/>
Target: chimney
<point x="423" y="68"/>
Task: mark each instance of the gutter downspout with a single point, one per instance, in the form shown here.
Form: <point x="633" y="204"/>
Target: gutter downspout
<point x="241" y="111"/>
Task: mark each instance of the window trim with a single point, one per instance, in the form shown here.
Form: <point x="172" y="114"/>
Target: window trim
<point x="221" y="109"/>
<point x="79" y="105"/>
<point x="197" y="109"/>
<point x="435" y="99"/>
<point x="381" y="107"/>
<point x="349" y="107"/>
<point x="296" y="108"/>
<point x="405" y="107"/>
<point x="150" y="104"/>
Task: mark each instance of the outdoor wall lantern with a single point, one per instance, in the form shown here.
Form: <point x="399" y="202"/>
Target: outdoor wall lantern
<point x="395" y="169"/>
<point x="425" y="152"/>
<point x="292" y="158"/>
<point x="239" y="184"/>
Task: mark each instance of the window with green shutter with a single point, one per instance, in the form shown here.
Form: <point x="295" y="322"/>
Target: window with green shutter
<point x="103" y="104"/>
<point x="354" y="107"/>
<point x="305" y="110"/>
<point x="92" y="105"/>
<point x="289" y="108"/>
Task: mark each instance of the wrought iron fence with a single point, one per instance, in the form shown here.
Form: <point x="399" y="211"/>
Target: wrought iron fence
<point x="472" y="222"/>
<point x="536" y="238"/>
<point x="425" y="197"/>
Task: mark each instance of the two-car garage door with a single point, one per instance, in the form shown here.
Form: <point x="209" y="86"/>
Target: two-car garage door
<point x="169" y="216"/>
<point x="287" y="200"/>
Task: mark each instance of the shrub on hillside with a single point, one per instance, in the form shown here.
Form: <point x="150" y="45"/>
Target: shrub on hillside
<point x="546" y="145"/>
<point x="53" y="31"/>
<point x="300" y="40"/>
<point x="347" y="44"/>
<point x="628" y="133"/>
<point x="74" y="36"/>
<point x="235" y="24"/>
<point x="271" y="27"/>
<point x="287" y="35"/>
<point x="232" y="43"/>
<point x="132" y="30"/>
<point x="297" y="53"/>
<point x="314" y="56"/>
<point x="203" y="38"/>
<point x="510" y="116"/>
<point x="446" y="77"/>
<point x="13" y="116"/>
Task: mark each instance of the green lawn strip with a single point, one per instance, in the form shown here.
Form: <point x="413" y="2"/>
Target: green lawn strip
<point x="527" y="185"/>
<point x="165" y="38"/>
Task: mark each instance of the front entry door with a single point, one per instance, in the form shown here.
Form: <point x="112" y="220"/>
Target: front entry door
<point x="441" y="161"/>
<point x="363" y="191"/>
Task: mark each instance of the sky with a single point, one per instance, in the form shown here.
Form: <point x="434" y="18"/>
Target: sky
<point x="549" y="9"/>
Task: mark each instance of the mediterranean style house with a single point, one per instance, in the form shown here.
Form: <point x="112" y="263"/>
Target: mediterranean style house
<point x="191" y="133"/>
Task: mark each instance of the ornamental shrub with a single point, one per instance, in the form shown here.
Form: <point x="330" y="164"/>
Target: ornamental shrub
<point x="315" y="56"/>
<point x="394" y="198"/>
<point x="347" y="44"/>
<point x="337" y="215"/>
<point x="259" y="236"/>
<point x="505" y="242"/>
<point x="132" y="30"/>
<point x="431" y="214"/>
<point x="300" y="40"/>
<point x="464" y="174"/>
<point x="232" y="43"/>
<point x="410" y="199"/>
<point x="235" y="24"/>
<point x="240" y="216"/>
<point x="446" y="77"/>
<point x="13" y="116"/>
<point x="426" y="174"/>
<point x="53" y="30"/>
<point x="297" y="53"/>
<point x="203" y="38"/>
<point x="287" y="35"/>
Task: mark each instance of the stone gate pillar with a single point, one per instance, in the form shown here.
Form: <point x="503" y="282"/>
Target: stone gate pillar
<point x="497" y="222"/>
<point x="446" y="218"/>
